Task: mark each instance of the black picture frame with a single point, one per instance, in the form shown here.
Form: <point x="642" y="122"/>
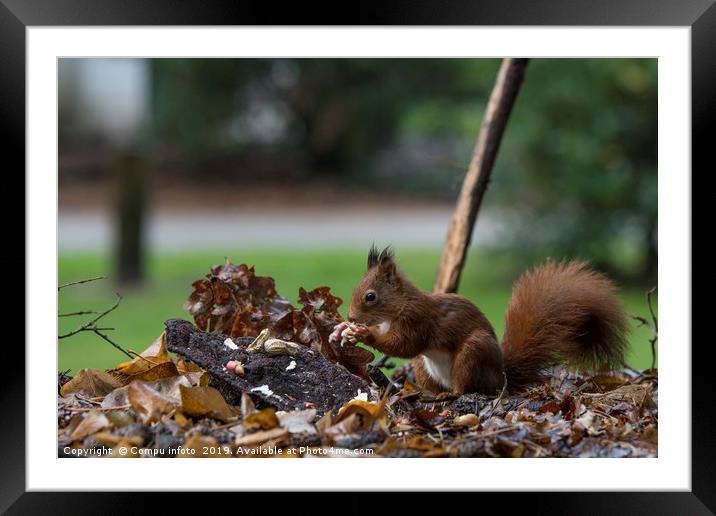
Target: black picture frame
<point x="17" y="15"/>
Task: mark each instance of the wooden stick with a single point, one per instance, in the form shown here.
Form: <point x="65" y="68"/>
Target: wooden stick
<point x="502" y="98"/>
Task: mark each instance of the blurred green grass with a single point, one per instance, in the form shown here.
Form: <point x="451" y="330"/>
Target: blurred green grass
<point x="139" y="318"/>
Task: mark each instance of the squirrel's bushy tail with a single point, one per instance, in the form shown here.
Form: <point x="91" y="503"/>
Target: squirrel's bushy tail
<point x="562" y="312"/>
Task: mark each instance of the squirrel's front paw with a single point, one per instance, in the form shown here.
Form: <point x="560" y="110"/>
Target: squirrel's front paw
<point x="336" y="334"/>
<point x="354" y="334"/>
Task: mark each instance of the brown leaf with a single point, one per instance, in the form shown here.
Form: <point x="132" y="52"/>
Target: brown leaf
<point x="166" y="387"/>
<point x="248" y="322"/>
<point x="157" y="349"/>
<point x="204" y="446"/>
<point x="155" y="372"/>
<point x="111" y="440"/>
<point x="92" y="423"/>
<point x="230" y="290"/>
<point x="551" y="406"/>
<point x="320" y="299"/>
<point x="367" y="412"/>
<point x="355" y="359"/>
<point x="247" y="405"/>
<point x="265" y="419"/>
<point x="261" y="437"/>
<point x="419" y="442"/>
<point x="148" y="403"/>
<point x="298" y="421"/>
<point x="92" y="383"/>
<point x="611" y="381"/>
<point x="147" y="366"/>
<point x="426" y="418"/>
<point x="567" y="406"/>
<point x="184" y="366"/>
<point x="370" y="409"/>
<point x="296" y="326"/>
<point x="204" y="402"/>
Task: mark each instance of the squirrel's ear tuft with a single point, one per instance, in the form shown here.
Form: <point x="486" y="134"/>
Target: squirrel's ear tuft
<point x="386" y="264"/>
<point x="383" y="259"/>
<point x="386" y="255"/>
<point x="372" y="257"/>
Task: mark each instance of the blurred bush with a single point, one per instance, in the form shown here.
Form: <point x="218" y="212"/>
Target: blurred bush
<point x="576" y="175"/>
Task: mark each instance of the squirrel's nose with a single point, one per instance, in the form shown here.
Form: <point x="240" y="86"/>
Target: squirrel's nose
<point x="351" y="319"/>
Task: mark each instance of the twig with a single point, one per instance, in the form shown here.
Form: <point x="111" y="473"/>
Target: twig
<point x="92" y="325"/>
<point x="656" y="327"/>
<point x="651" y="308"/>
<point x="134" y="354"/>
<point x="383" y="362"/>
<point x="499" y="398"/>
<point x="84" y="312"/>
<point x="495" y="432"/>
<point x="80" y="282"/>
<point x="98" y="409"/>
<point x="120" y="348"/>
<point x="499" y="106"/>
<point x="653" y="325"/>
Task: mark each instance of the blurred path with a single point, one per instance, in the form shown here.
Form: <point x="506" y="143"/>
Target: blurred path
<point x="91" y="228"/>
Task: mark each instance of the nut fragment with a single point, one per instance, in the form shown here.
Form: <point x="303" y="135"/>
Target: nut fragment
<point x="280" y="347"/>
<point x="467" y="420"/>
<point x="239" y="369"/>
<point x="271" y="345"/>
<point x="258" y="343"/>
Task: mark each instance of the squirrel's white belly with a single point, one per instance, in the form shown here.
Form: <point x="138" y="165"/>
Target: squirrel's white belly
<point x="438" y="364"/>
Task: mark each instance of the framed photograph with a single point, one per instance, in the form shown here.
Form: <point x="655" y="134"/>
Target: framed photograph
<point x="440" y="239"/>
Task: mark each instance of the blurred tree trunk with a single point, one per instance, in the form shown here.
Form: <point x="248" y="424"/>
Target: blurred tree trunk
<point x="129" y="171"/>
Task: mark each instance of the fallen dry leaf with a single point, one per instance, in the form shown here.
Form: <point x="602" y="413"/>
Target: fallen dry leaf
<point x="91" y="382"/>
<point x="261" y="437"/>
<point x="148" y="403"/>
<point x="265" y="419"/>
<point x="298" y="421"/>
<point x="204" y="402"/>
<point x="93" y="422"/>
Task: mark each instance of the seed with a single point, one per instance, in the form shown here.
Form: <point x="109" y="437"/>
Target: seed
<point x="467" y="420"/>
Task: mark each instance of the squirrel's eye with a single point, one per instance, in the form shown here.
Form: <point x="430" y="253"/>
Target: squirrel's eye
<point x="370" y="297"/>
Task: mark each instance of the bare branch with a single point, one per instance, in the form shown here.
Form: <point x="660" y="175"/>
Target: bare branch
<point x="651" y="308"/>
<point x="499" y="106"/>
<point x="499" y="398"/>
<point x="80" y="282"/>
<point x="120" y="348"/>
<point x="653" y="325"/>
<point x="83" y="312"/>
<point x="92" y="325"/>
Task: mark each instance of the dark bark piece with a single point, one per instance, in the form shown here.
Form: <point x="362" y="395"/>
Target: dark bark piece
<point x="314" y="381"/>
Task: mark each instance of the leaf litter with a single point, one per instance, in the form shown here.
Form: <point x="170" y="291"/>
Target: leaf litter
<point x="299" y="395"/>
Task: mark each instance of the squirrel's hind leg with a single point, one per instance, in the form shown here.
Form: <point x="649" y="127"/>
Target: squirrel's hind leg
<point x="477" y="366"/>
<point x="423" y="378"/>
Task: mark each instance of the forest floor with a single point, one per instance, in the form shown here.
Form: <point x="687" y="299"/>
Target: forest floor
<point x="212" y="388"/>
<point x="605" y="415"/>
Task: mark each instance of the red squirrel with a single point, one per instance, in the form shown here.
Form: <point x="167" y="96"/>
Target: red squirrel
<point x="559" y="312"/>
